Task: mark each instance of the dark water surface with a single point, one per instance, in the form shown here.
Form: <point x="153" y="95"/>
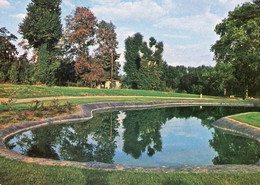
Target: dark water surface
<point x="169" y="136"/>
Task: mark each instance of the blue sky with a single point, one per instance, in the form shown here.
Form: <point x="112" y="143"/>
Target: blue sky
<point x="186" y="27"/>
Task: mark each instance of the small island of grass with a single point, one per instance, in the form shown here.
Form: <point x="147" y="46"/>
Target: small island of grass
<point x="252" y="118"/>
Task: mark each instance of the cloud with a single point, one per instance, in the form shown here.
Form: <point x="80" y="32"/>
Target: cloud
<point x="4" y="4"/>
<point x="202" y="23"/>
<point x="68" y="3"/>
<point x="188" y="55"/>
<point x="175" y="36"/>
<point x="18" y="16"/>
<point x="144" y="10"/>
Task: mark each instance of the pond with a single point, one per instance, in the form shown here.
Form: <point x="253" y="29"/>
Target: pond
<point x="171" y="136"/>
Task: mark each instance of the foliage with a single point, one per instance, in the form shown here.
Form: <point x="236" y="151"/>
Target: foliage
<point x="81" y="33"/>
<point x="34" y="27"/>
<point x="239" y="43"/>
<point x="8" y="53"/>
<point x="46" y="67"/>
<point x="143" y="63"/>
<point x="106" y="52"/>
<point x="78" y="37"/>
<point x="132" y="65"/>
<point x="43" y="37"/>
<point x="13" y="69"/>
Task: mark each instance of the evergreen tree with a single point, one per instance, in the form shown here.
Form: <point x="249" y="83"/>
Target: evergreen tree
<point x="106" y="52"/>
<point x="43" y="30"/>
<point x="133" y="59"/>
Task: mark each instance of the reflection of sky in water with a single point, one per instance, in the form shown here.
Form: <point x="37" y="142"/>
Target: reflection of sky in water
<point x="185" y="142"/>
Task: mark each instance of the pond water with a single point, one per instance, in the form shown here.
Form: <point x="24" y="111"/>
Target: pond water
<point x="171" y="136"/>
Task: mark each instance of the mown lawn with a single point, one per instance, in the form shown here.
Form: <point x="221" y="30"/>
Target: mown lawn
<point x="33" y="91"/>
<point x="16" y="172"/>
<point x="251" y="118"/>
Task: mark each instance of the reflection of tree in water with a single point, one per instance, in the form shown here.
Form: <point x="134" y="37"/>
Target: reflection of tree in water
<point x="39" y="144"/>
<point x="234" y="149"/>
<point x="94" y="140"/>
<point x="72" y="140"/>
<point x="142" y="131"/>
<point x="75" y="145"/>
<point x="142" y="128"/>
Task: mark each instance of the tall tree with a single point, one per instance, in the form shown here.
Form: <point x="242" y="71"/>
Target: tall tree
<point x="132" y="56"/>
<point x="78" y="37"/>
<point x="150" y="72"/>
<point x="43" y="30"/>
<point x="144" y="64"/>
<point x="239" y="43"/>
<point x="42" y="25"/>
<point x="106" y="52"/>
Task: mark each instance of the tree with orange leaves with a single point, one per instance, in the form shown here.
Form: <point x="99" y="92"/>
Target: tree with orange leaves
<point x="78" y="37"/>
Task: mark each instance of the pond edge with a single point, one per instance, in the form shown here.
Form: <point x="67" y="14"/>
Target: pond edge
<point x="87" y="113"/>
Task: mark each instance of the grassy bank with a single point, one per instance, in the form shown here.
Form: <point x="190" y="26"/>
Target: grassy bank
<point x="16" y="172"/>
<point x="33" y="91"/>
<point x="251" y="118"/>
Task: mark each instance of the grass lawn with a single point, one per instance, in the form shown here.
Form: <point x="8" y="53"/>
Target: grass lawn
<point x="33" y="91"/>
<point x="251" y="118"/>
<point x="17" y="172"/>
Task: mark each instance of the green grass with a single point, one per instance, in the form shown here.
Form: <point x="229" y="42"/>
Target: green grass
<point x="251" y="118"/>
<point x="17" y="172"/>
<point x="33" y="91"/>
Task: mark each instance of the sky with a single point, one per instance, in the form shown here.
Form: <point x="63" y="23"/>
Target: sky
<point x="186" y="27"/>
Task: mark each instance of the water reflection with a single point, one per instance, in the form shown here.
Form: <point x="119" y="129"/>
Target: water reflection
<point x="152" y="137"/>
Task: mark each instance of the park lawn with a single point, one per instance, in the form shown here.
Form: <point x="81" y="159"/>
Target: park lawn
<point x="34" y="91"/>
<point x="251" y="118"/>
<point x="17" y="172"/>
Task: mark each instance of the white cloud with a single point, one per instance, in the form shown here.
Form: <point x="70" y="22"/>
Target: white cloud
<point x="144" y="10"/>
<point x="202" y="23"/>
<point x="175" y="36"/>
<point x="188" y="55"/>
<point x="4" y="4"/>
<point x="18" y="16"/>
<point x="69" y="3"/>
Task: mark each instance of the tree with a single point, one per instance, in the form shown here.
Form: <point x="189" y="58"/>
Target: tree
<point x="42" y="25"/>
<point x="43" y="30"/>
<point x="132" y="56"/>
<point x="78" y="37"/>
<point x="8" y="53"/>
<point x="239" y="43"/>
<point x="106" y="52"/>
<point x="150" y="71"/>
<point x="144" y="64"/>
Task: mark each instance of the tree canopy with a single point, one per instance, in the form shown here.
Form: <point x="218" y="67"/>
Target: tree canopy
<point x="239" y="43"/>
<point x="144" y="64"/>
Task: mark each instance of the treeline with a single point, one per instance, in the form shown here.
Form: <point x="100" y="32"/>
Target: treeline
<point x="85" y="50"/>
<point x="237" y="56"/>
